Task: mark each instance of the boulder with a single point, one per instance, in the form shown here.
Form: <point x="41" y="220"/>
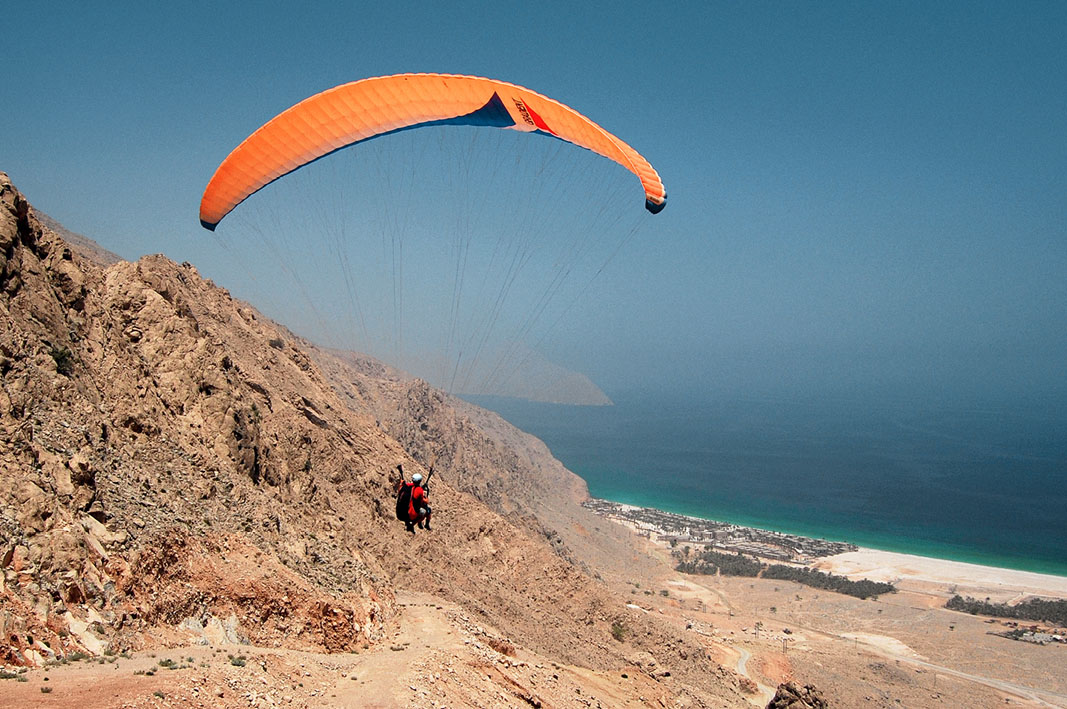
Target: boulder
<point x="790" y="696"/>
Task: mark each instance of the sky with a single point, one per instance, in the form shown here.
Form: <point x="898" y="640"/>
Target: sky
<point x="865" y="199"/>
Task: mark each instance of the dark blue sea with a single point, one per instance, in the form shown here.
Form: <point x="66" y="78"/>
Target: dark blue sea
<point x="983" y="484"/>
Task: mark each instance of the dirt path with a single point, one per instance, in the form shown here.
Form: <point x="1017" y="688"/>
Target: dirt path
<point x="709" y="601"/>
<point x="244" y="676"/>
<point x="381" y="678"/>
<point x="1043" y="697"/>
<point x="766" y="694"/>
<point x="437" y="656"/>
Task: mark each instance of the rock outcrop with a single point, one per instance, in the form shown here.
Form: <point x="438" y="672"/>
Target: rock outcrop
<point x="790" y="696"/>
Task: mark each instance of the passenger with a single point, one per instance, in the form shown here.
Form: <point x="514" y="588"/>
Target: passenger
<point x="412" y="506"/>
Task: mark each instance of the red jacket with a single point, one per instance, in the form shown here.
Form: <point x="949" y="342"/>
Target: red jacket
<point x="418" y="500"/>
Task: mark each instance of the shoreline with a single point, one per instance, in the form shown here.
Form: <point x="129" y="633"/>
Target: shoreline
<point x="927" y="549"/>
<point x="632" y="452"/>
<point x="914" y="572"/>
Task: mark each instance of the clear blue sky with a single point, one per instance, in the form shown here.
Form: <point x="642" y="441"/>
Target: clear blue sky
<point x="863" y="197"/>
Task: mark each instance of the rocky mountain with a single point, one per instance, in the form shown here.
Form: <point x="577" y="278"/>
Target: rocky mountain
<point x="177" y="469"/>
<point x="81" y="244"/>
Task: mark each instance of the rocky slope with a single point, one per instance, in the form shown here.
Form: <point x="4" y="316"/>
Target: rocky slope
<point x="481" y="454"/>
<point x="178" y="469"/>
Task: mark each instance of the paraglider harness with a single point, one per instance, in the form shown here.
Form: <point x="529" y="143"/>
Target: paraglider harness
<point x="403" y="497"/>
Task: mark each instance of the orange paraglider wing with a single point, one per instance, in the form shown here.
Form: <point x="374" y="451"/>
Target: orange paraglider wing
<point x="361" y="110"/>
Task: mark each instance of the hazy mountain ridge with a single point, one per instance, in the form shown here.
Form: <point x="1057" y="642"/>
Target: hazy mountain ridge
<point x="520" y="373"/>
<point x="535" y="378"/>
<point x="83" y="245"/>
<point x="175" y="464"/>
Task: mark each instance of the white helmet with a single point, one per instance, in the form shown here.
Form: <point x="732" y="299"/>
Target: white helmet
<point x="416" y="478"/>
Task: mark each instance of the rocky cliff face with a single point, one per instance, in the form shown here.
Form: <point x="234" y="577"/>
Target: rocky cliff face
<point x="177" y="468"/>
<point x="479" y="453"/>
<point x="140" y="436"/>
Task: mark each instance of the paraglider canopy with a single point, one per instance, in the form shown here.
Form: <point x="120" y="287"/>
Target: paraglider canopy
<point x="362" y="110"/>
<point x="446" y="242"/>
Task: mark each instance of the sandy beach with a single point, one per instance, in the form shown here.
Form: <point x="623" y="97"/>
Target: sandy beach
<point x="939" y="576"/>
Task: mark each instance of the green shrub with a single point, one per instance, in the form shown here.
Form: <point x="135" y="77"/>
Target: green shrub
<point x="64" y="359"/>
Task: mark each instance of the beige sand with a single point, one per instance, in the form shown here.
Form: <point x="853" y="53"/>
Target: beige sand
<point x="943" y="576"/>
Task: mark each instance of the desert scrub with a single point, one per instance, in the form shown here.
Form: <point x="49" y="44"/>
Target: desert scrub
<point x="239" y="661"/>
<point x="618" y="630"/>
<point x="64" y="359"/>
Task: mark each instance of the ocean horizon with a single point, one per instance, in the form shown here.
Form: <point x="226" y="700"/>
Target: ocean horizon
<point x="978" y="484"/>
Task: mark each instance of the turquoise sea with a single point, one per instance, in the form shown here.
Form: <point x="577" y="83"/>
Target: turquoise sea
<point x="983" y="484"/>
